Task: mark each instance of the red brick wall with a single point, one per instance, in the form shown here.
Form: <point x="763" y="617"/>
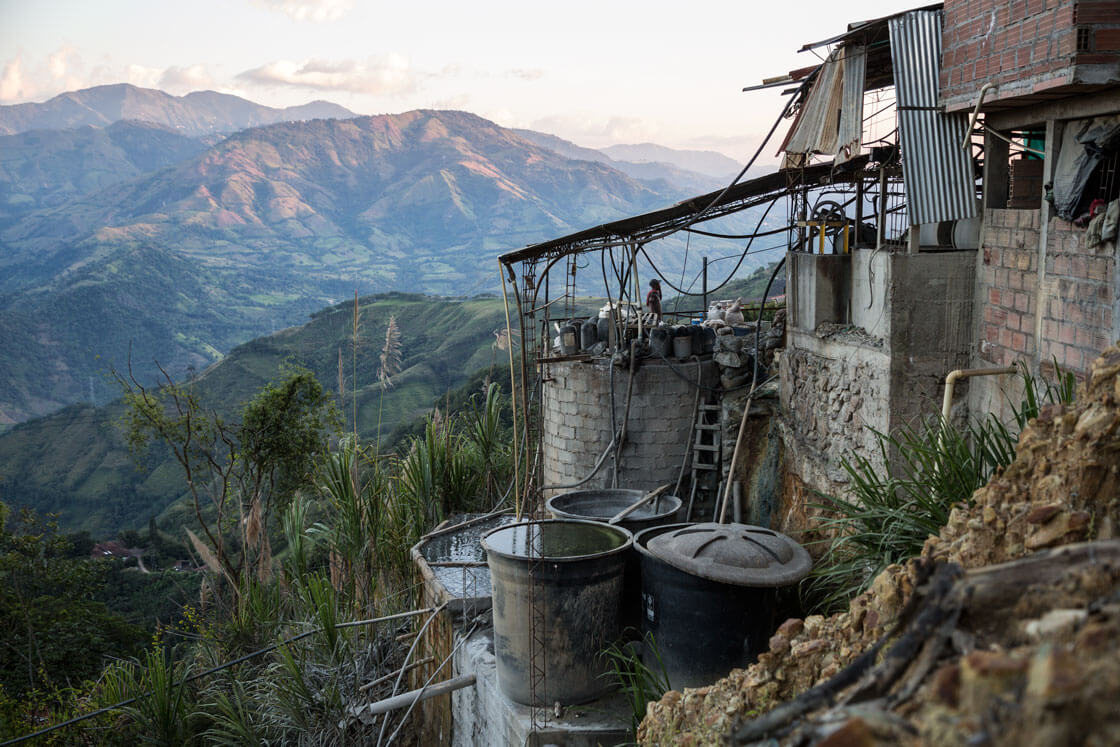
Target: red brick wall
<point x="1077" y="318"/>
<point x="1023" y="46"/>
<point x="1077" y="310"/>
<point x="1008" y="279"/>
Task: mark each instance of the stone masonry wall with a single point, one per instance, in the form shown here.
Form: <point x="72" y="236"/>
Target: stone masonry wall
<point x="831" y="401"/>
<point x="576" y="414"/>
<point x="1024" y="46"/>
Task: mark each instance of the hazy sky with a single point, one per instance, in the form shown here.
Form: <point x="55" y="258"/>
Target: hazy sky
<point x="597" y="73"/>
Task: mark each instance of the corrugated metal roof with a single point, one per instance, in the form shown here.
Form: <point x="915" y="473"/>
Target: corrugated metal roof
<point x="940" y="184"/>
<point x="859" y="30"/>
<point x="739" y="197"/>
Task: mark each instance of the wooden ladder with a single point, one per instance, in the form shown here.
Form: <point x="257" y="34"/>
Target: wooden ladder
<point x="707" y="457"/>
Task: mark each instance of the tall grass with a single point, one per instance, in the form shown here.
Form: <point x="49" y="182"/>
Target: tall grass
<point x="888" y="514"/>
<point x="344" y="557"/>
<point x="640" y="683"/>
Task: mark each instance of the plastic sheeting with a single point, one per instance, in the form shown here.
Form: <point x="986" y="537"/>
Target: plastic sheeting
<point x="1083" y="145"/>
<point x="831" y="120"/>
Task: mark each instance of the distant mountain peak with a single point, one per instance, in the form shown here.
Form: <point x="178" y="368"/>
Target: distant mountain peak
<point x="196" y="113"/>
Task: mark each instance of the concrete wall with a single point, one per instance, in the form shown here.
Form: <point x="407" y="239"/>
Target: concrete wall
<point x="576" y="413"/>
<point x="931" y="307"/>
<point x="818" y="286"/>
<point x="839" y="382"/>
<point x="871" y="278"/>
<point x="1026" y="47"/>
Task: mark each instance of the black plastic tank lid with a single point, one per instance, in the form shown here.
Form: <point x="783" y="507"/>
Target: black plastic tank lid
<point x="737" y="554"/>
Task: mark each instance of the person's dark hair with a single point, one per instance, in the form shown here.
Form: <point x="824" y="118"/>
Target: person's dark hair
<point x="655" y="283"/>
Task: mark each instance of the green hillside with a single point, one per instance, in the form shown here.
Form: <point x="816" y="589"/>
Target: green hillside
<point x="75" y="462"/>
<point x="183" y="263"/>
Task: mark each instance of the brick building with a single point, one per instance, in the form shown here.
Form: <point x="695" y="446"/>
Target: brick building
<point x="977" y="269"/>
<point x="1051" y="70"/>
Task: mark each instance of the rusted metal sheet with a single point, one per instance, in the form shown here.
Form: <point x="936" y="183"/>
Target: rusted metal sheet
<point x="815" y="129"/>
<point x="851" y="106"/>
<point x="940" y="184"/>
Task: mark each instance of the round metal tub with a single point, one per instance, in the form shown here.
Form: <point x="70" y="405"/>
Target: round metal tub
<point x="572" y="571"/>
<point x="600" y="505"/>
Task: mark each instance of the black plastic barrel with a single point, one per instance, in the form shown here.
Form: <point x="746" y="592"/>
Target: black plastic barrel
<point x="604" y="329"/>
<point x="702" y="629"/>
<point x="572" y="571"/>
<point x="660" y="342"/>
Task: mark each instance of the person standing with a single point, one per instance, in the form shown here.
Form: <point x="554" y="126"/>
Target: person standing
<point x="653" y="300"/>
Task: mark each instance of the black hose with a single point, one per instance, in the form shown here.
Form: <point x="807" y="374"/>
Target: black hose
<point x="758" y="326"/>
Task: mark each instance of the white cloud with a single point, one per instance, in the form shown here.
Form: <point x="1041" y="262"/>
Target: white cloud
<point x="315" y="11"/>
<point x="597" y="131"/>
<point x="382" y="76"/>
<point x="64" y="61"/>
<point x="185" y="79"/>
<point x="13" y="84"/>
<point x="145" y="77"/>
<point x="527" y="74"/>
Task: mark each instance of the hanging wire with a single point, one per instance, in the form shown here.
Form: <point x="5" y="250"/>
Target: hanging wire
<point x="727" y="280"/>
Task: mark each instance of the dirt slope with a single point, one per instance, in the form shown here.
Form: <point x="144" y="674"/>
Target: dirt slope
<point x="1041" y="667"/>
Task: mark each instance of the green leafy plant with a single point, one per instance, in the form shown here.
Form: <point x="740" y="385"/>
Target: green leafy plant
<point x="162" y="710"/>
<point x="888" y="514"/>
<point x="639" y="682"/>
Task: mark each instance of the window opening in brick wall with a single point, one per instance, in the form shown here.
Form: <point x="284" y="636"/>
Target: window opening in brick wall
<point x="1104" y="183"/>
<point x="1084" y="39"/>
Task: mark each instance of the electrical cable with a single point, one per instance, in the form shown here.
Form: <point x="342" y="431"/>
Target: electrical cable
<point x="684" y="264"/>
<point x="696" y="218"/>
<point x="404" y="664"/>
<point x="427" y="683"/>
<point x="771" y="232"/>
<point x="758" y="327"/>
<point x="695" y="416"/>
<point x="734" y="270"/>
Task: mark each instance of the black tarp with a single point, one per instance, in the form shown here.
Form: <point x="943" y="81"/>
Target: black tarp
<point x="1085" y="143"/>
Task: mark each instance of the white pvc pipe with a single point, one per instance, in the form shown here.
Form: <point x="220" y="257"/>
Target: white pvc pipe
<point x="966" y="373"/>
<point x="406" y="699"/>
<point x="975" y="114"/>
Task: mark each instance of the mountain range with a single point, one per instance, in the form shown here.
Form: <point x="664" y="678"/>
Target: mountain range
<point x="175" y="234"/>
<point x="198" y="113"/>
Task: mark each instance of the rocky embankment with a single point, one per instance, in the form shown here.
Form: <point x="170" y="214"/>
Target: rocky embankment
<point x="993" y="636"/>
